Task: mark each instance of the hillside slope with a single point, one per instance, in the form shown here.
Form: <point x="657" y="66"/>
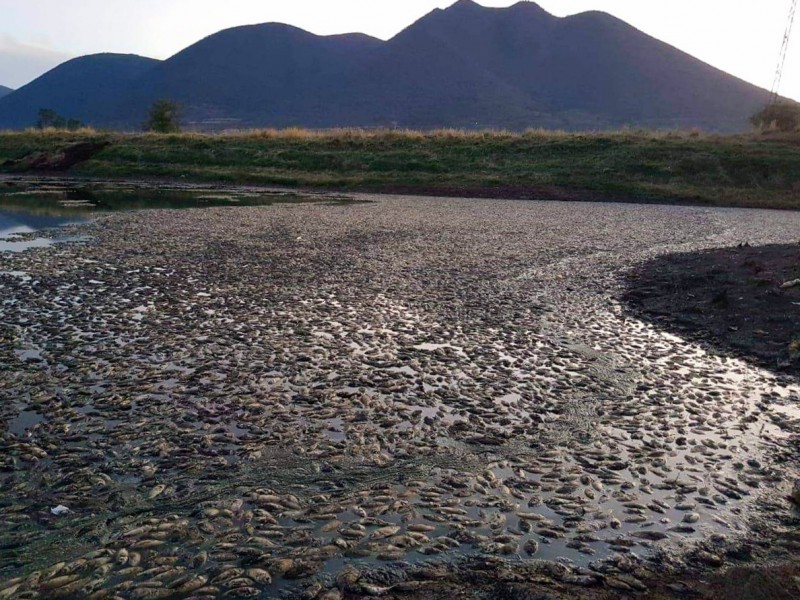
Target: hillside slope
<point x="589" y="68"/>
<point x="86" y="88"/>
<point x="5" y="91"/>
<point x="258" y="74"/>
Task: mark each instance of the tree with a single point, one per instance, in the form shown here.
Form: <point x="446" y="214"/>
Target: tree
<point x="783" y="117"/>
<point x="48" y="118"/>
<point x="163" y="117"/>
<point x="73" y="124"/>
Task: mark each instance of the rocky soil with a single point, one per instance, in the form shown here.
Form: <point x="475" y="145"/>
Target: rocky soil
<point x="403" y="398"/>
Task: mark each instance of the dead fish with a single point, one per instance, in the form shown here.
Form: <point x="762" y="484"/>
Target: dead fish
<point x="8" y="592"/>
<point x="122" y="556"/>
<point x="259" y="576"/>
<point x="58" y="582"/>
<point x="384" y="532"/>
<point x="374" y="590"/>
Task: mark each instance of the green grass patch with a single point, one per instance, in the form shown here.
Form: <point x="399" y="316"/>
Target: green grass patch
<point x="744" y="170"/>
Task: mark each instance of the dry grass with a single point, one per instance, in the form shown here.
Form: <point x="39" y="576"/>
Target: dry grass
<point x="344" y="134"/>
<point x="57" y="133"/>
<point x="302" y="134"/>
<point x="299" y="133"/>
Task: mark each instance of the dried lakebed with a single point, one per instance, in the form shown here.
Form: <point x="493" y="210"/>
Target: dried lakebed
<point x="335" y="400"/>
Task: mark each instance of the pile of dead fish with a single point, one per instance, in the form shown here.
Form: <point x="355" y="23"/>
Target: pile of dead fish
<point x="225" y="402"/>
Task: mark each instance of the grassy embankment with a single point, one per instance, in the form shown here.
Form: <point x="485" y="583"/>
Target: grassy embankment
<point x="743" y="170"/>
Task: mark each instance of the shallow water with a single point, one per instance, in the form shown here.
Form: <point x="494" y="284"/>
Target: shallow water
<point x="17" y="225"/>
<point x="29" y="207"/>
<point x="24" y="421"/>
<point x="65" y="200"/>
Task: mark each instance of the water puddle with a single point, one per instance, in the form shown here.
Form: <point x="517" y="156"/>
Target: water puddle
<point x="67" y="200"/>
<point x="24" y="421"/>
<point x="11" y="244"/>
<point x="18" y="224"/>
<point x="430" y="347"/>
<point x="21" y="275"/>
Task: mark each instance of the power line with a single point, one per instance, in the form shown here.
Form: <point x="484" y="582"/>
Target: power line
<point x="776" y="84"/>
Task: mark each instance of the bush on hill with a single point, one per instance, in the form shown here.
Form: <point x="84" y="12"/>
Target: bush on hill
<point x="778" y="117"/>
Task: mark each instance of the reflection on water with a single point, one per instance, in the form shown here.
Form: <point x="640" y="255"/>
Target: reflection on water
<point x="10" y="245"/>
<point x="16" y="225"/>
<point x="28" y="207"/>
<point x="68" y="200"/>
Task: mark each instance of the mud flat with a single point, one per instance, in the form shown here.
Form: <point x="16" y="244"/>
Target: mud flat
<point x="402" y="398"/>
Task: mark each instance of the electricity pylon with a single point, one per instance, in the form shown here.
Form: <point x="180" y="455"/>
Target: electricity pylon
<point x="787" y="36"/>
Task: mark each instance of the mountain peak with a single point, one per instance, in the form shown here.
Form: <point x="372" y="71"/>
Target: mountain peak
<point x="84" y="88"/>
<point x="465" y="5"/>
<point x="524" y="9"/>
<point x="529" y="8"/>
<point x="523" y="5"/>
<point x="104" y="59"/>
<point x="261" y="33"/>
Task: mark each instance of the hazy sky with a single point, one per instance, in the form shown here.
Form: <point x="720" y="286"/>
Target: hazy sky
<point x="739" y="36"/>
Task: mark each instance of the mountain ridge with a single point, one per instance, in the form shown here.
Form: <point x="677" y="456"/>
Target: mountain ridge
<point x="83" y="88"/>
<point x="465" y="66"/>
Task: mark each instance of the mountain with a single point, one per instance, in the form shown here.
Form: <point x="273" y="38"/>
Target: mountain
<point x="259" y="74"/>
<point x="4" y="91"/>
<point x="86" y="88"/>
<point x="586" y="70"/>
<point x="465" y="66"/>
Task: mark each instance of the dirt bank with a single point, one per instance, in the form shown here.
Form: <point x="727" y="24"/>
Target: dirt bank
<point x="743" y="301"/>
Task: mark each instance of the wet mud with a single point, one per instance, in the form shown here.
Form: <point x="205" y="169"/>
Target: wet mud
<point x="743" y="300"/>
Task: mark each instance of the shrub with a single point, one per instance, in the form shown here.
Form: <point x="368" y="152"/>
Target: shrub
<point x="50" y="119"/>
<point x="164" y="117"/>
<point x="781" y="117"/>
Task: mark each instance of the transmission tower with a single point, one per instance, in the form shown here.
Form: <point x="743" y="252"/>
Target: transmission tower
<point x="776" y="84"/>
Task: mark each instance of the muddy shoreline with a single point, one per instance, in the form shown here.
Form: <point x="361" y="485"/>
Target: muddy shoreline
<point x="489" y="192"/>
<point x="741" y="300"/>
